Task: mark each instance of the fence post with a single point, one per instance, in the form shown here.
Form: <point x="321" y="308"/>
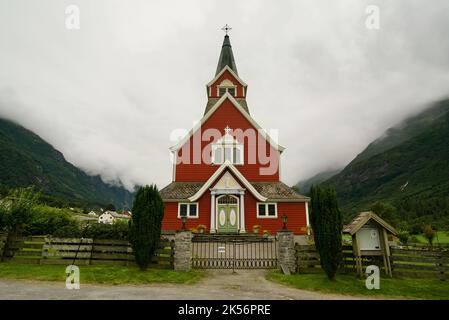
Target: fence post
<point x="172" y="254"/>
<point x="183" y="250"/>
<point x="286" y="250"/>
<point x="441" y="268"/>
<point x="3" y="241"/>
<point x="45" y="247"/>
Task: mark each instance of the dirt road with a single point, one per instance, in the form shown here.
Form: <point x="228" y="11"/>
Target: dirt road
<point x="220" y="284"/>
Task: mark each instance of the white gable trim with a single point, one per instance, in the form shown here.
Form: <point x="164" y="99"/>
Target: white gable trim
<point x="227" y="182"/>
<point x="239" y="176"/>
<point x="220" y="74"/>
<point x="242" y="111"/>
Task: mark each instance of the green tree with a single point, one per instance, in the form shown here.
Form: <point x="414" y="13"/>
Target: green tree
<point x="386" y="211"/>
<point x="327" y="228"/>
<point x="16" y="209"/>
<point x="429" y="233"/>
<point x="403" y="236"/>
<point x="47" y="220"/>
<point x="145" y="226"/>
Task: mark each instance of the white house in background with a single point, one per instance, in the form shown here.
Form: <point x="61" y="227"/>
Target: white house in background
<point x="93" y="213"/>
<point x="110" y="216"/>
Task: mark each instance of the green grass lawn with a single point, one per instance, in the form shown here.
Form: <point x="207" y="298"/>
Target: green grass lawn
<point x="441" y="237"/>
<point x="114" y="275"/>
<point x="350" y="285"/>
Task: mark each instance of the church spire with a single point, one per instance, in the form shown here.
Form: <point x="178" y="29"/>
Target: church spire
<point x="226" y="55"/>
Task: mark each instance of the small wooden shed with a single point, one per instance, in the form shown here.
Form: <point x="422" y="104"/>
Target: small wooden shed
<point x="370" y="238"/>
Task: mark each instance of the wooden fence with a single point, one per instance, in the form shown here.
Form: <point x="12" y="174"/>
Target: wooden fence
<point x="420" y="262"/>
<point x="25" y="249"/>
<point x="97" y="251"/>
<point x="3" y="238"/>
<point x="308" y="259"/>
<point x="49" y="250"/>
<point x="406" y="262"/>
<point x="425" y="245"/>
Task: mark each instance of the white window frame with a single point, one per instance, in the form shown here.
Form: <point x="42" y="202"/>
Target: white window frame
<point x="188" y="216"/>
<point x="266" y="216"/>
<point x="226" y="87"/>
<point x="223" y="147"/>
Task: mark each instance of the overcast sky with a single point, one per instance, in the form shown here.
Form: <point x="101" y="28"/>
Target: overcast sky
<point x="109" y="94"/>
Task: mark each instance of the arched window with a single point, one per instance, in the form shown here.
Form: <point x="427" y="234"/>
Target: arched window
<point x="227" y="199"/>
<point x="227" y="149"/>
<point x="226" y="86"/>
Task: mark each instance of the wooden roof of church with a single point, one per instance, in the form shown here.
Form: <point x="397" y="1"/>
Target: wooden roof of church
<point x="274" y="191"/>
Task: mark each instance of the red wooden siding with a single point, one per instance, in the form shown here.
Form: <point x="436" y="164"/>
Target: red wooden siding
<point x="295" y="211"/>
<point x="172" y="222"/>
<point x="225" y="115"/>
<point x="226" y="75"/>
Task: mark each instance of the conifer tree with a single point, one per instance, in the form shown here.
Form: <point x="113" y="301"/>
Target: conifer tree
<point x="327" y="228"/>
<point x="145" y="226"/>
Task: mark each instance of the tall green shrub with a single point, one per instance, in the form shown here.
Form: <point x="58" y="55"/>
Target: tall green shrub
<point x="16" y="209"/>
<point x="327" y="228"/>
<point x="145" y="226"/>
<point x="403" y="236"/>
<point x="118" y="230"/>
<point x="48" y="220"/>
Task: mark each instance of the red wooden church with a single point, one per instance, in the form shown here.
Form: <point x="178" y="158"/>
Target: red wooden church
<point x="226" y="170"/>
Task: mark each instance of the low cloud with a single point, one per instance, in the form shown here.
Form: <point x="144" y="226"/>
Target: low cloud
<point x="109" y="94"/>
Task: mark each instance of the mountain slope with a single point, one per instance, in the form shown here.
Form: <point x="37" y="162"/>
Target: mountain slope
<point x="26" y="159"/>
<point x="409" y="128"/>
<point x="408" y="168"/>
<point x="305" y="185"/>
<point x="406" y="130"/>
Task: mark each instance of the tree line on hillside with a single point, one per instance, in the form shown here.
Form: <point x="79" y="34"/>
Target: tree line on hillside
<point x="410" y="214"/>
<point x="56" y="202"/>
<point x="22" y="213"/>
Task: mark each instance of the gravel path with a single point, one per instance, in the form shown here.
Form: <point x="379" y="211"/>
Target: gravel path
<point x="219" y="284"/>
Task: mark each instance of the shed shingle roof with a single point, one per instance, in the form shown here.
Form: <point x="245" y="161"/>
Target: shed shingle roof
<point x="274" y="191"/>
<point x="361" y="219"/>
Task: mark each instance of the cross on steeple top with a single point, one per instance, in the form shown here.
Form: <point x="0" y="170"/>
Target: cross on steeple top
<point x="226" y="29"/>
<point x="228" y="130"/>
